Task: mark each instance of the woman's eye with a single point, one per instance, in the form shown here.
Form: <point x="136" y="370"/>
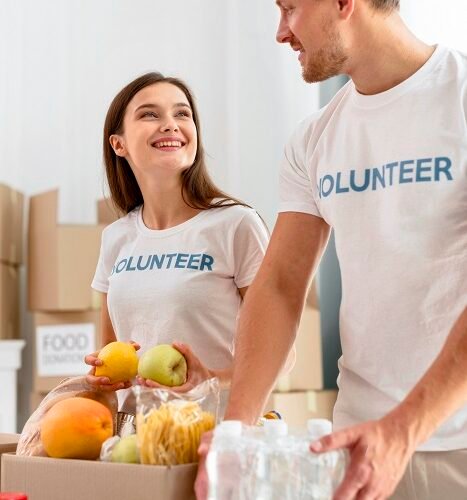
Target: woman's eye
<point x="184" y="113"/>
<point x="149" y="114"/>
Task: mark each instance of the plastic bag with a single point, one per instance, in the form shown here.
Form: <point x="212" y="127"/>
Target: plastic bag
<point x="169" y="425"/>
<point x="107" y="447"/>
<point x="30" y="440"/>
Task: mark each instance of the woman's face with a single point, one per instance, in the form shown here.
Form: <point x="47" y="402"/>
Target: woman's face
<point x="159" y="131"/>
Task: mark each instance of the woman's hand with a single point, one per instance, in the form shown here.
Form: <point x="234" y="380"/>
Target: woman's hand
<point x="103" y="383"/>
<point x="197" y="372"/>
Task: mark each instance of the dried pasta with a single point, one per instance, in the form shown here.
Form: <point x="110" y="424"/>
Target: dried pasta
<point x="170" y="434"/>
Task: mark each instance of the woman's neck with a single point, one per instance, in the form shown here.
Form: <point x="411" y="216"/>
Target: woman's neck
<point x="164" y="206"/>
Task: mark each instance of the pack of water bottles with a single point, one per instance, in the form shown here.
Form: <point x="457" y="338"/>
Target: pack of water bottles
<point x="270" y="463"/>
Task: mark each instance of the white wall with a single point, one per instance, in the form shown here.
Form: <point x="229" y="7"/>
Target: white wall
<point x="437" y="21"/>
<point x="66" y="60"/>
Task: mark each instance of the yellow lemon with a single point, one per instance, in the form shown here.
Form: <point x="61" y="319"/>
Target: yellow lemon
<point x="120" y="362"/>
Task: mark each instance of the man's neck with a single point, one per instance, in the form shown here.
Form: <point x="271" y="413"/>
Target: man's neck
<point x="386" y="54"/>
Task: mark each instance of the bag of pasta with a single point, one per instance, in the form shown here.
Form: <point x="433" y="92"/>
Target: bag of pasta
<point x="169" y="425"/>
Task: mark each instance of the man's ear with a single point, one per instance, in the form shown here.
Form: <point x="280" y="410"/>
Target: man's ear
<point x="118" y="145"/>
<point x="346" y="8"/>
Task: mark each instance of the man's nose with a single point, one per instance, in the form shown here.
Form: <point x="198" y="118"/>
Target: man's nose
<point x="283" y="34"/>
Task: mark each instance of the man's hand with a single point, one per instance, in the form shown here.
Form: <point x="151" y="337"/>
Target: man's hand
<point x="201" y="483"/>
<point x="379" y="452"/>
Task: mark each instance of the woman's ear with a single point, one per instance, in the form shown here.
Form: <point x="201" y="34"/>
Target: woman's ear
<point x="118" y="145"/>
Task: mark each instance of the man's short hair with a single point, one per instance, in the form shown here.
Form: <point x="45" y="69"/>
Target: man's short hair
<point x="386" y="5"/>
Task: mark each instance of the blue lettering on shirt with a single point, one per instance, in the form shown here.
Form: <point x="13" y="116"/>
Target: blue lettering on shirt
<point x="196" y="261"/>
<point x="401" y="172"/>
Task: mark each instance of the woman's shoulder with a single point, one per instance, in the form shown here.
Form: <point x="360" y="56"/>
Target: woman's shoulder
<point x="238" y="220"/>
<point x="231" y="212"/>
<point x="122" y="226"/>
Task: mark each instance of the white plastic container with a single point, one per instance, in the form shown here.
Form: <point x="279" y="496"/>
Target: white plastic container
<point x="10" y="363"/>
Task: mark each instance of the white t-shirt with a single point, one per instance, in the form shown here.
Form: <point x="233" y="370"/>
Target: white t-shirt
<point x="181" y="284"/>
<point x="389" y="173"/>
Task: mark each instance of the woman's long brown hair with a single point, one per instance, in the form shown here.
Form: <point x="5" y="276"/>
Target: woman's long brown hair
<point x="198" y="190"/>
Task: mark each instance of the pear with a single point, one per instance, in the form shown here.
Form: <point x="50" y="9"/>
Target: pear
<point x="126" y="450"/>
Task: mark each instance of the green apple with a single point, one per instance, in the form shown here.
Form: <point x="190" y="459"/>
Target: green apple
<point x="126" y="450"/>
<point x="163" y="364"/>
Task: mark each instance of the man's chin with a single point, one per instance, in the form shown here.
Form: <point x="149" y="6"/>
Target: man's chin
<point x="312" y="77"/>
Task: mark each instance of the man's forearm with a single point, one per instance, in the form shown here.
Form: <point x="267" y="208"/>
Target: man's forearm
<point x="441" y="391"/>
<point x="274" y="322"/>
<point x="271" y="311"/>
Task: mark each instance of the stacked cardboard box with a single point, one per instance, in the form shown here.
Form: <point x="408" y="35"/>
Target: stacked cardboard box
<point x="11" y="257"/>
<point x="300" y="394"/>
<point x="61" y="263"/>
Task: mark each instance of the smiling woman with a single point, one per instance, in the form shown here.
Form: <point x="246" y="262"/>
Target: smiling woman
<point x="144" y="106"/>
<point x="176" y="266"/>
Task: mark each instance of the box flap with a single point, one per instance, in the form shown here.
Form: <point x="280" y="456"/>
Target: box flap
<point x="106" y="212"/>
<point x="11" y="225"/>
<point x="42" y="250"/>
<point x="77" y="262"/>
<point x="62" y="258"/>
<point x="8" y="442"/>
<point x="9" y="302"/>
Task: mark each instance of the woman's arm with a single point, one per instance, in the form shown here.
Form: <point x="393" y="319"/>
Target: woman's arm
<point x="107" y="329"/>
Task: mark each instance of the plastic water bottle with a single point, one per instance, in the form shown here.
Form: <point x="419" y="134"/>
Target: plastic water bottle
<point x="323" y="472"/>
<point x="225" y="463"/>
<point x="279" y="481"/>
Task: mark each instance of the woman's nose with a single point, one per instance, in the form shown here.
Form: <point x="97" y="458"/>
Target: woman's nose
<point x="169" y="125"/>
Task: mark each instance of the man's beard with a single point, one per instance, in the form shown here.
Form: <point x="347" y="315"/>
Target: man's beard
<point x="327" y="61"/>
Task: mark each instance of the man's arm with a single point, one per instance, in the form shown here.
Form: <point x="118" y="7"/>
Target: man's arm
<point x="271" y="311"/>
<point x="380" y="450"/>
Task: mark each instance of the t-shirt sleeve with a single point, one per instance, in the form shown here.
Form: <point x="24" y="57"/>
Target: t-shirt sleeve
<point x="100" y="281"/>
<point x="295" y="185"/>
<point x="249" y="246"/>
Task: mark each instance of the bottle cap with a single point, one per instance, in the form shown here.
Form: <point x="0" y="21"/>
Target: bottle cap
<point x="229" y="428"/>
<point x="272" y="415"/>
<point x="13" y="496"/>
<point x="318" y="427"/>
<point x="275" y="428"/>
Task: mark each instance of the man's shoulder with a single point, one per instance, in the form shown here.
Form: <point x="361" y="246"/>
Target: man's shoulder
<point x="314" y="125"/>
<point x="456" y="62"/>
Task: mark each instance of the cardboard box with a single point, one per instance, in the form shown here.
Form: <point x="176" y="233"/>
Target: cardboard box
<point x="307" y="372"/>
<point x="297" y="407"/>
<point x="8" y="443"/>
<point x="62" y="259"/>
<point x="9" y="302"/>
<point x="312" y="299"/>
<point x="106" y="212"/>
<point x="56" y="479"/>
<point x="61" y="340"/>
<point x="11" y="225"/>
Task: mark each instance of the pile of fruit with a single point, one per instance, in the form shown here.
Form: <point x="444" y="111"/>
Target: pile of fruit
<point x="169" y="434"/>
